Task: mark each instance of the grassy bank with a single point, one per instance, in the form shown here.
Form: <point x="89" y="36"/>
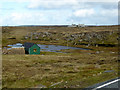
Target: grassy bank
<point x="73" y="68"/>
<point x="78" y="69"/>
<point x="100" y="35"/>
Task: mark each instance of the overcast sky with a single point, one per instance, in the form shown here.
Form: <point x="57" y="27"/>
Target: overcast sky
<point x="58" y="12"/>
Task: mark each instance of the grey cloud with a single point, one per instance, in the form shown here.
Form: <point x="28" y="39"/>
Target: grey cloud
<point x="104" y="5"/>
<point x="97" y="17"/>
<point x="79" y="5"/>
<point x="94" y="20"/>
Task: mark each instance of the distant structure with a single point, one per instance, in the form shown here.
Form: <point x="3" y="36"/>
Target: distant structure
<point x="31" y="48"/>
<point x="73" y="25"/>
<point x="15" y="49"/>
<point x="26" y="48"/>
<point x="79" y="25"/>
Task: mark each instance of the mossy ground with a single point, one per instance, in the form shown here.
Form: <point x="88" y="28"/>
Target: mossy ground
<point x="78" y="69"/>
<point x="74" y="68"/>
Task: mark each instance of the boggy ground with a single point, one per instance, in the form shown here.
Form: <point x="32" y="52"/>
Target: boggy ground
<point x="73" y="69"/>
<point x="100" y="35"/>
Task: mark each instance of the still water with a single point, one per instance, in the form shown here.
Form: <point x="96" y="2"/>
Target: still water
<point x="50" y="48"/>
<point x="56" y="48"/>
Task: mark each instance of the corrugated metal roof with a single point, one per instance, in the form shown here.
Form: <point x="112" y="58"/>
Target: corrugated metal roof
<point x="28" y="45"/>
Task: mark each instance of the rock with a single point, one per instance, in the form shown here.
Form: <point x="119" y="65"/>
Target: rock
<point x="97" y="66"/>
<point x="97" y="52"/>
<point x="41" y="86"/>
<point x="96" y="45"/>
<point x="102" y="51"/>
<point x="112" y="52"/>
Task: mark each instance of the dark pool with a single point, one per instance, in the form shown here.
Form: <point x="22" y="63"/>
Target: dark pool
<point x="56" y="48"/>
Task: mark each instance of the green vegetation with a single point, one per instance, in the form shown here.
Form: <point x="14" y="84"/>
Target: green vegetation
<point x="73" y="69"/>
<point x="101" y="35"/>
<point x="77" y="69"/>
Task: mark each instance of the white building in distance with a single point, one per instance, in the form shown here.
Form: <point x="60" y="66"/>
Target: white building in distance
<point x="79" y="25"/>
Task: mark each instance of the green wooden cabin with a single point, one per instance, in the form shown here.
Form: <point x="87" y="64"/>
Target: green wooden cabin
<point x="31" y="48"/>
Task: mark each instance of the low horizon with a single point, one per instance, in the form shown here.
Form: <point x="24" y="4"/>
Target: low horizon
<point x="65" y="25"/>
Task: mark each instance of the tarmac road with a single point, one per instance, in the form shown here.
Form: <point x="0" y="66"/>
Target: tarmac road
<point x="113" y="84"/>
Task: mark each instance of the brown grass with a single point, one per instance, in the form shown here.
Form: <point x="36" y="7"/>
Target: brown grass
<point x="14" y="51"/>
<point x="79" y="70"/>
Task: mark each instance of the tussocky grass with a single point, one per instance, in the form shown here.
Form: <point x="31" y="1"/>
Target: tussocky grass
<point x="78" y="69"/>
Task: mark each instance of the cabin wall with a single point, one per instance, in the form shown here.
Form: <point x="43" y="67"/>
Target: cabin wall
<point x="34" y="49"/>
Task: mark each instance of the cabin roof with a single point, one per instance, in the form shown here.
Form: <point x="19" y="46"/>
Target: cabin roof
<point x="28" y="45"/>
